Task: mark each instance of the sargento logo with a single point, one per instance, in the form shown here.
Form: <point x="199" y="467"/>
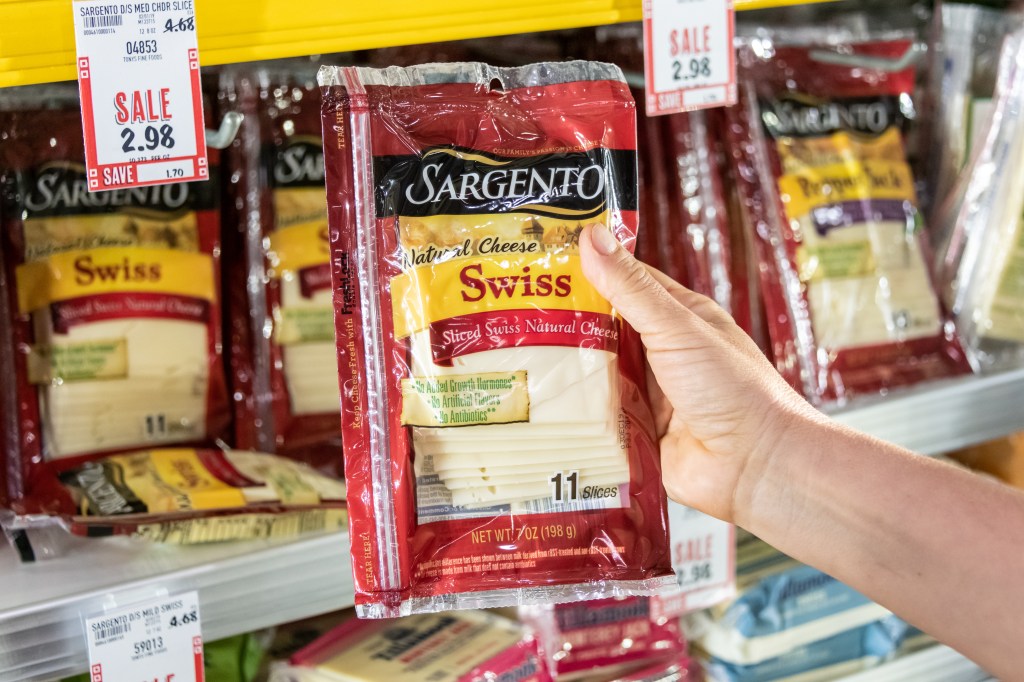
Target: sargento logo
<point x="62" y="189"/>
<point x="300" y="164"/>
<point x="802" y="117"/>
<point x="446" y="181"/>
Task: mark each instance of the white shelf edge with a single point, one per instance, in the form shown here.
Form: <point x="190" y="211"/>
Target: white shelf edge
<point x="239" y="591"/>
<point x="944" y="416"/>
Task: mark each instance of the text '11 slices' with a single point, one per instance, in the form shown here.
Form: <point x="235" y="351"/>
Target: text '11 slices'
<point x="499" y="446"/>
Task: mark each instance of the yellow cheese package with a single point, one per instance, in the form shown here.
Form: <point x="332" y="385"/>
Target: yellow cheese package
<point x="182" y="496"/>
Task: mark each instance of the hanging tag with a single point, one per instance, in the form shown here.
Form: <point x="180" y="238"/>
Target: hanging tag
<point x="689" y="60"/>
<point x="142" y="109"/>
<point x="703" y="556"/>
<point x="156" y="640"/>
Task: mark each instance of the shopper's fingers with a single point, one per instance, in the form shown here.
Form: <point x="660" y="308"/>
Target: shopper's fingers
<point x="629" y="287"/>
<point x="705" y="308"/>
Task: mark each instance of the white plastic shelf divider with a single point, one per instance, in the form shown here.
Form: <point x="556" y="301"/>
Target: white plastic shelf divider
<point x="946" y="415"/>
<point x="242" y="587"/>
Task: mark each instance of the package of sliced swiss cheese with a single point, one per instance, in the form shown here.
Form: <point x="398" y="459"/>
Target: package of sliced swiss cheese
<point x="819" y="139"/>
<point x="499" y="445"/>
<point x="283" y="360"/>
<point x="115" y="301"/>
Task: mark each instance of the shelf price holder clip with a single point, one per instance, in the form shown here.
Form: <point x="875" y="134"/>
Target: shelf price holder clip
<point x="156" y="639"/>
<point x="689" y="59"/>
<point x="142" y="107"/>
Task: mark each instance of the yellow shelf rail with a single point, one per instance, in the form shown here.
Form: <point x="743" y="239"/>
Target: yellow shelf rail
<point x="37" y="42"/>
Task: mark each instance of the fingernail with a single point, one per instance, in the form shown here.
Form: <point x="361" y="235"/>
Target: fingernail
<point x="604" y="241"/>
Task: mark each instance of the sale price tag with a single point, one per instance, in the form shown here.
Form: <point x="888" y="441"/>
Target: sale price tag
<point x="142" y="109"/>
<point x="159" y="640"/>
<point x="703" y="556"/>
<point x="689" y="60"/>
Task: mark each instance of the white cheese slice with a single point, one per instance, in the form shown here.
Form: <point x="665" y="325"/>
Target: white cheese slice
<point x="519" y="432"/>
<point x="161" y="400"/>
<point x="483" y="481"/>
<point x="519" y="467"/>
<point x="310" y="369"/>
<point x="566" y="385"/>
<point x="554" y="444"/>
<point x="443" y="461"/>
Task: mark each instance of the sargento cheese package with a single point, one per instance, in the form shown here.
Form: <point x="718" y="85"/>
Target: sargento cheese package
<point x="820" y="140"/>
<point x="462" y="646"/>
<point x="115" y="337"/>
<point x="499" y="445"/>
<point x="283" y="361"/>
<point x="181" y="496"/>
<point x="604" y="638"/>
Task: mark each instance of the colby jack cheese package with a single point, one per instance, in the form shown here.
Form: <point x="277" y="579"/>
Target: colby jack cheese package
<point x="185" y="496"/>
<point x="283" y="355"/>
<point x="851" y="305"/>
<point x="462" y="646"/>
<point x="116" y="301"/>
<point x="499" y="448"/>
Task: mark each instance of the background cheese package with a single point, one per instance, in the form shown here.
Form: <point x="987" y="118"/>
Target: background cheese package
<point x="283" y="359"/>
<point x="819" y="139"/>
<point x="116" y="334"/>
<point x="499" y="446"/>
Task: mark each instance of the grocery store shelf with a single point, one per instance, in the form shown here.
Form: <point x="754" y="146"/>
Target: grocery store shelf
<point x="246" y="586"/>
<point x="238" y="31"/>
<point x="944" y="416"/>
<point x="242" y="587"/>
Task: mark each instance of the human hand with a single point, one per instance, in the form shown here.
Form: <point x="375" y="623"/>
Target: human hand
<point x="723" y="412"/>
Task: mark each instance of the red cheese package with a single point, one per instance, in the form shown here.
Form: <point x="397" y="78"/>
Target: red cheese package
<point x="499" y="445"/>
<point x="819" y="138"/>
<point x="283" y="361"/>
<point x="116" y="305"/>
<point x="604" y="638"/>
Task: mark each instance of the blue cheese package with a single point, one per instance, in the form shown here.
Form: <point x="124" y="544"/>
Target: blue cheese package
<point x="781" y="606"/>
<point x="829" y="659"/>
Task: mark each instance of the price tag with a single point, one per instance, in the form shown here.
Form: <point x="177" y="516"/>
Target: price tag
<point x="142" y="110"/>
<point x="689" y="60"/>
<point x="158" y="640"/>
<point x="703" y="556"/>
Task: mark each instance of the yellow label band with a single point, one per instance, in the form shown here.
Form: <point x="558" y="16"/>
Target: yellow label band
<point x="176" y="479"/>
<point x="299" y="246"/>
<point x="812" y="187"/>
<point x="466" y="399"/>
<point x="75" y="274"/>
<point x="245" y="527"/>
<point x="297" y="325"/>
<point x="548" y="281"/>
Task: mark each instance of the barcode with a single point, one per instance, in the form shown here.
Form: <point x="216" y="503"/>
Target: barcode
<point x="110" y="633"/>
<point x="102" y="21"/>
<point x="546" y="505"/>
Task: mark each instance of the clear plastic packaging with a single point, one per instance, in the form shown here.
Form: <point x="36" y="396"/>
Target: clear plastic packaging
<point x="981" y="264"/>
<point x="964" y="73"/>
<point x="468" y="646"/>
<point x="180" y="496"/>
<point x="830" y="200"/>
<point x="605" y="638"/>
<point x="499" y="445"/>
<point x="115" y="330"/>
<point x="277" y="262"/>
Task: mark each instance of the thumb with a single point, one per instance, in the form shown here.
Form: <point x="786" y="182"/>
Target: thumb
<point x="633" y="292"/>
